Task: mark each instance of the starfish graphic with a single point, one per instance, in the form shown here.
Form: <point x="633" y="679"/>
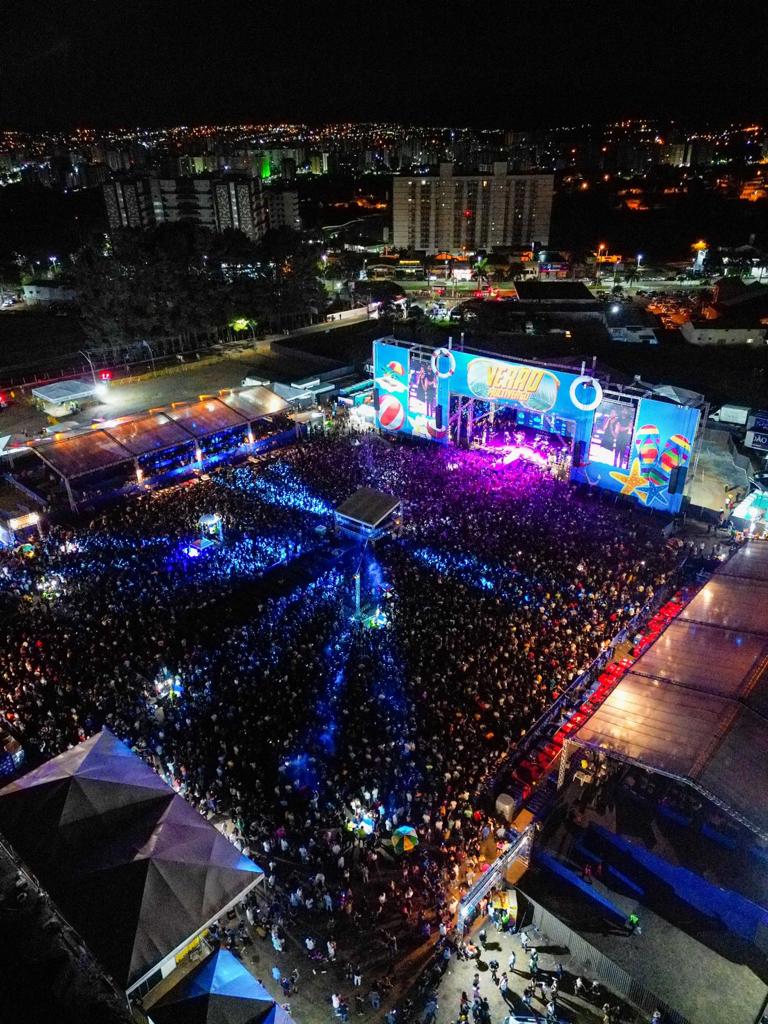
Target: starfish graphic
<point x="655" y="493"/>
<point x="632" y="481"/>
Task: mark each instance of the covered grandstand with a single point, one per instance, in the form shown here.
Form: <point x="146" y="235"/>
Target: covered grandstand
<point x="138" y="447"/>
<point x="695" y="705"/>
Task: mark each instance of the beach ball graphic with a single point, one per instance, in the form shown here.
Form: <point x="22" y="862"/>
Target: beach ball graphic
<point x="647" y="443"/>
<point x="545" y="395"/>
<point x="391" y="412"/>
<point x="394" y="367"/>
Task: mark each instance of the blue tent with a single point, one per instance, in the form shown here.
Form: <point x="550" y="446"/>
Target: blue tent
<point x="218" y="991"/>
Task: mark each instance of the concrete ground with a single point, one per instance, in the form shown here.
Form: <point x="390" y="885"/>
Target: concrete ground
<point x="311" y="1003"/>
<point x="460" y="974"/>
<point x="185" y="382"/>
<point x="686" y="959"/>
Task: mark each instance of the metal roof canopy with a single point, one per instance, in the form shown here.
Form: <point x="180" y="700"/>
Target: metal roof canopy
<point x="152" y="433"/>
<point x="200" y="419"/>
<point x="368" y="507"/>
<point x="64" y="391"/>
<point x="695" y="705"/>
<point x="255" y="402"/>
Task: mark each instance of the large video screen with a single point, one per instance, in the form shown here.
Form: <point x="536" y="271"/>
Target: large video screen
<point x="412" y="397"/>
<point x="611" y="441"/>
<point x="422" y="393"/>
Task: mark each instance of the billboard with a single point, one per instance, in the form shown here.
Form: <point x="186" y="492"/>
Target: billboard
<point x="637" y="448"/>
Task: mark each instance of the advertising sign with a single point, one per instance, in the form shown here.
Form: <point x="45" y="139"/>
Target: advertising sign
<point x="658" y="459"/>
<point x="757" y="439"/>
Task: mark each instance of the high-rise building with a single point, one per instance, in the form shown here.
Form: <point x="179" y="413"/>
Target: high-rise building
<point x="183" y="199"/>
<point x="457" y="213"/>
<point x="215" y="203"/>
<point x="239" y="204"/>
<point x="282" y="209"/>
<point x="129" y="203"/>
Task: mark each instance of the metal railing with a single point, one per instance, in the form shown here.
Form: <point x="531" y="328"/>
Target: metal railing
<point x="577" y="690"/>
<point x="585" y="960"/>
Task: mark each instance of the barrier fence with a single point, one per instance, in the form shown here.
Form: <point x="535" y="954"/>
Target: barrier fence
<point x="582" y="959"/>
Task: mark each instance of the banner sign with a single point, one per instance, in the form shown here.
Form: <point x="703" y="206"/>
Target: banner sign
<point x="757" y="439"/>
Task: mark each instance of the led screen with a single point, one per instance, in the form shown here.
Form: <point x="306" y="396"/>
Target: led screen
<point x="611" y="441"/>
<point x="659" y="457"/>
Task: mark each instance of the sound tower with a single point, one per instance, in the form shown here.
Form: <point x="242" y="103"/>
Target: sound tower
<point x="580" y="453"/>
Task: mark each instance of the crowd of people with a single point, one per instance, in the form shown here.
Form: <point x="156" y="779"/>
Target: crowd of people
<point x="315" y="735"/>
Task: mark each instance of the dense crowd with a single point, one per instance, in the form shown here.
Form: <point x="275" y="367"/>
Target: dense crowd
<point x="306" y="728"/>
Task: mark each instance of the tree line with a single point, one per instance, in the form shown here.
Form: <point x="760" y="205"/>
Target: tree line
<point x="178" y="280"/>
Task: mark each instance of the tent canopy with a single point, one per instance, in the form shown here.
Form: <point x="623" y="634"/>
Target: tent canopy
<point x="133" y="867"/>
<point x="153" y="433"/>
<point x="368" y="507"/>
<point x="217" y="991"/>
<point x="123" y="440"/>
<point x="695" y="705"/>
<point x="87" y="453"/>
<point x="64" y="391"/>
<point x="207" y="417"/>
<point x="254" y="402"/>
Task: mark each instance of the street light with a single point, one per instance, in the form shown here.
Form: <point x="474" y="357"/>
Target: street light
<point x="90" y="363"/>
<point x="148" y="347"/>
<point x="598" y="255"/>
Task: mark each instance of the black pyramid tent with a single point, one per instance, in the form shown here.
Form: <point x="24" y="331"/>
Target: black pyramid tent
<point x="218" y="991"/>
<point x="132" y="866"/>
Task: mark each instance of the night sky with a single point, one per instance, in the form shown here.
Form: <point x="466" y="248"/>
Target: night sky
<point x="518" y="63"/>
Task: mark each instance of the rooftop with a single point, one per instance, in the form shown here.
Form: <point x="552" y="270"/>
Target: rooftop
<point x="694" y="705"/>
<point x="64" y="391"/>
<point x="368" y="507"/>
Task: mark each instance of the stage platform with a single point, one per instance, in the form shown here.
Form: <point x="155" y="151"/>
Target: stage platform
<point x="368" y="513"/>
